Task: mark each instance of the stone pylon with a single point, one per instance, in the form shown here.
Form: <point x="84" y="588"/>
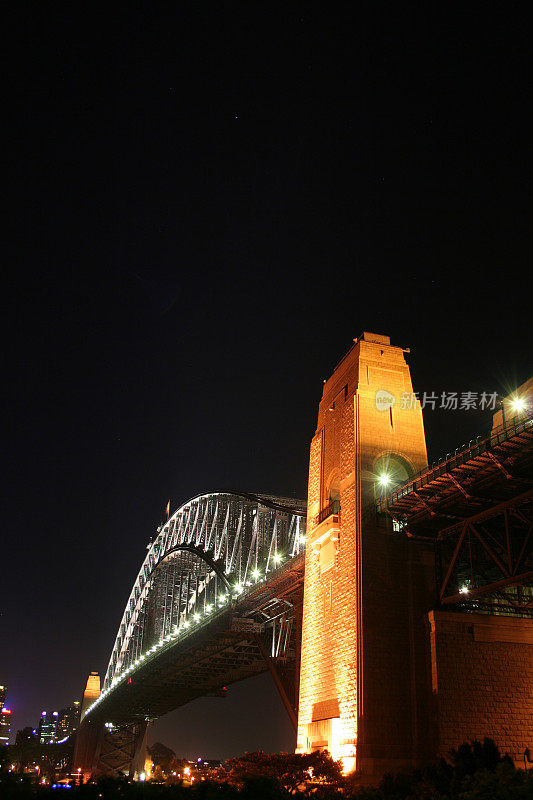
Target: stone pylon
<point x="363" y="673"/>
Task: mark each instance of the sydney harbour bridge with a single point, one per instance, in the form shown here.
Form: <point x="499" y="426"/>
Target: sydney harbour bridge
<point x="393" y="608"/>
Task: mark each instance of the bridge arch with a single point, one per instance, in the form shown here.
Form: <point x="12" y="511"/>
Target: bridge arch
<point x="213" y="546"/>
<point x="202" y="555"/>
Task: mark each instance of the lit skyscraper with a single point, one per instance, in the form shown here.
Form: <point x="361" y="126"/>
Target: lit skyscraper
<point x="68" y="720"/>
<point x="47" y="731"/>
<point x="5" y="726"/>
<point x="5" y="718"/>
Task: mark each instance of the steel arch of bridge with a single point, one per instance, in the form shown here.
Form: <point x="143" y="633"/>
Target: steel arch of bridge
<point x="213" y="548"/>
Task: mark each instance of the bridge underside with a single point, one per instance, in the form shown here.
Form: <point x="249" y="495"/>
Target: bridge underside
<point x="258" y="632"/>
<point x="477" y="509"/>
<point x="224" y="651"/>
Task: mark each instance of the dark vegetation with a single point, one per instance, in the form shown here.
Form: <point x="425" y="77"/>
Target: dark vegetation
<point x="475" y="771"/>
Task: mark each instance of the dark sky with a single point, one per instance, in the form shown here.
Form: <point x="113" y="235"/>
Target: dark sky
<point x="206" y="203"/>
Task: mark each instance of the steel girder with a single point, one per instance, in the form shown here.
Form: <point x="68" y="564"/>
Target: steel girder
<point x="476" y="507"/>
<point x="258" y="630"/>
<point x="216" y="551"/>
<point x="487" y="559"/>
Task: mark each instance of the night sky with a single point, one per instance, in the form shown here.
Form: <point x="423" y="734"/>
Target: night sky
<point x="206" y="203"/>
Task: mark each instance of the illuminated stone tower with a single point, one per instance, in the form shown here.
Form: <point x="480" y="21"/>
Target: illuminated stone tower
<point x="91" y="693"/>
<point x="363" y="669"/>
<point x="87" y="735"/>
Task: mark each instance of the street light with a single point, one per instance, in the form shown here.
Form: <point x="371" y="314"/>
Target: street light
<point x="518" y="404"/>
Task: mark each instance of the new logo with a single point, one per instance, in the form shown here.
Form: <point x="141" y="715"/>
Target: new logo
<point x="384" y="400"/>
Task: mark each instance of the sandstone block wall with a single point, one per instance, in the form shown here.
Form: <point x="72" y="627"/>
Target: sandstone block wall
<point x="482" y="680"/>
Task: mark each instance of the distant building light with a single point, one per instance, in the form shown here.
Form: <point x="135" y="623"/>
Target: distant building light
<point x="463" y="590"/>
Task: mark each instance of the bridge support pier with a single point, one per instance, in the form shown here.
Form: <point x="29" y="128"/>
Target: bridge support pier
<point x="271" y="664"/>
<point x="85" y="747"/>
<point x="111" y="749"/>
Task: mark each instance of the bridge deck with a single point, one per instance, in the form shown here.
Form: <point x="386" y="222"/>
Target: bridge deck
<point x="219" y="651"/>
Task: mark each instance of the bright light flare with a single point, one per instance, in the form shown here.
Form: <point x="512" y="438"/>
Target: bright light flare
<point x="518" y="404"/>
<point x="384" y="479"/>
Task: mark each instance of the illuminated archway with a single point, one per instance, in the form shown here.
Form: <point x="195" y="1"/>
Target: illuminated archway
<point x="391" y="470"/>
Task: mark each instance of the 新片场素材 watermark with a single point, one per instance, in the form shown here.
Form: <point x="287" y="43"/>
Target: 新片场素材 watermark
<point x="448" y="401"/>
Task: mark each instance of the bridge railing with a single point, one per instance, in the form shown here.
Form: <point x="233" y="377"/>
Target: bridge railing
<point x="334" y="507"/>
<point x="481" y="444"/>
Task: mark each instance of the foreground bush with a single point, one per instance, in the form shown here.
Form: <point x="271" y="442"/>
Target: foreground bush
<point x="476" y="771"/>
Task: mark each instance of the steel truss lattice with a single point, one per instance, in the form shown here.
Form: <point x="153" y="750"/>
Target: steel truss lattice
<point x="476" y="508"/>
<point x="213" y="549"/>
